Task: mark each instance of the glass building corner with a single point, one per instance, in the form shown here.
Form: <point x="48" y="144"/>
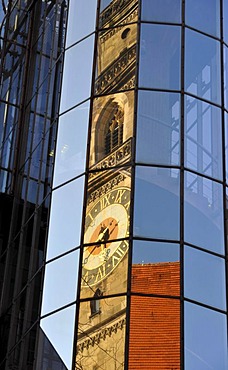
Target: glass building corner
<point x="114" y="182"/>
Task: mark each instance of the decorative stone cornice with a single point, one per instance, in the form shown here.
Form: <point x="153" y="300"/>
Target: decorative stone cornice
<point x="118" y="157"/>
<point x="114" y="8"/>
<point x="102" y="190"/>
<point x="100" y="335"/>
<point x="111" y="74"/>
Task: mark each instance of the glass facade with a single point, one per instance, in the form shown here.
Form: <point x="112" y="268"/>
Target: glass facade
<point x="133" y="273"/>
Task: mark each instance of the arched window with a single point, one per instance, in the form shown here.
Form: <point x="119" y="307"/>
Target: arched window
<point x="95" y="303"/>
<point x="114" y="130"/>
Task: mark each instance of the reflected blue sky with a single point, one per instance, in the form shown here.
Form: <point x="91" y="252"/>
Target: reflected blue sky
<point x="59" y="328"/>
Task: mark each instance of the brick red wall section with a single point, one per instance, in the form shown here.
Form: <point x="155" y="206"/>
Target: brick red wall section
<point x="155" y="322"/>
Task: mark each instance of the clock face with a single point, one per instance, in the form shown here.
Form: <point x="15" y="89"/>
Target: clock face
<point x="106" y="222"/>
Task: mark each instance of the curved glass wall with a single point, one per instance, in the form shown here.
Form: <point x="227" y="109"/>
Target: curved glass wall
<point x="138" y="216"/>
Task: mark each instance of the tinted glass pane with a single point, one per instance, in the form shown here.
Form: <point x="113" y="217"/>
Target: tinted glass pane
<point x="65" y="218"/>
<point x="56" y="341"/>
<point x="159" y="57"/>
<point x="156" y="208"/>
<point x="112" y="130"/>
<point x="103" y="263"/>
<point x="60" y="274"/>
<point x="226" y="75"/>
<point x="226" y="144"/>
<point x="71" y="144"/>
<point x="161" y="11"/>
<point x="205" y="339"/>
<point x="115" y="13"/>
<point x="204" y="278"/>
<point x="225" y="20"/>
<point x="101" y="333"/>
<point x="116" y="59"/>
<point x="81" y="19"/>
<point x="203" y="137"/>
<point x="204" y="15"/>
<point x="202" y="66"/>
<point x="204" y="213"/>
<point x="154" y="333"/>
<point x="155" y="268"/>
<point x="77" y="73"/>
<point x="158" y="128"/>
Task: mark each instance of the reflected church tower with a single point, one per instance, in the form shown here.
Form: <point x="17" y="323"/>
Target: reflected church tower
<point x="101" y="336"/>
<point x="102" y="316"/>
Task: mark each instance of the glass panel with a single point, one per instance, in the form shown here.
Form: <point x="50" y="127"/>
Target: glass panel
<point x="225" y="20"/>
<point x="161" y="11"/>
<point x="203" y="77"/>
<point x="60" y="274"/>
<point x="81" y="20"/>
<point x="116" y="59"/>
<point x="77" y="73"/>
<point x="112" y="130"/>
<point x="102" y="266"/>
<point x="117" y="12"/>
<point x="56" y="338"/>
<point x="154" y="333"/>
<point x="71" y="144"/>
<point x="225" y="49"/>
<point x="204" y="277"/>
<point x="156" y="209"/>
<point x="204" y="15"/>
<point x="101" y="334"/>
<point x="159" y="57"/>
<point x="205" y="339"/>
<point x="65" y="218"/>
<point x="226" y="144"/>
<point x="204" y="213"/>
<point x="158" y="125"/>
<point x="155" y="268"/>
<point x="203" y="137"/>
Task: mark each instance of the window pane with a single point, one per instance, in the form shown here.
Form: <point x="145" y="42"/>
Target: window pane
<point x="225" y="20"/>
<point x="104" y="263"/>
<point x="65" y="218"/>
<point x="101" y="335"/>
<point x="81" y="20"/>
<point x="204" y="278"/>
<point x="203" y="137"/>
<point x="111" y="112"/>
<point x="205" y="339"/>
<point x="77" y="74"/>
<point x="156" y="208"/>
<point x="116" y="59"/>
<point x="161" y="11"/>
<point x="155" y="268"/>
<point x="226" y="76"/>
<point x="204" y="213"/>
<point x="202" y="66"/>
<point x="55" y="294"/>
<point x="71" y="144"/>
<point x="115" y="13"/>
<point x="226" y="144"/>
<point x="204" y="15"/>
<point x="154" y="333"/>
<point x="56" y="339"/>
<point x="158" y="125"/>
<point x="159" y="57"/>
